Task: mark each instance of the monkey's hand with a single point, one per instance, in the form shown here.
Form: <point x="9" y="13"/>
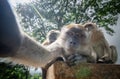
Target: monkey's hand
<point x="53" y="61"/>
<point x="74" y="59"/>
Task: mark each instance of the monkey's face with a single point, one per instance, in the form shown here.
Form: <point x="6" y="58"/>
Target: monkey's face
<point x="52" y="37"/>
<point x="74" y="37"/>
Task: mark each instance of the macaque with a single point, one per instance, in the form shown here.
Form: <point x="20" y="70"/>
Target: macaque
<point x="99" y="44"/>
<point x="51" y="37"/>
<point x="73" y="39"/>
<point x="73" y="46"/>
<point x="18" y="47"/>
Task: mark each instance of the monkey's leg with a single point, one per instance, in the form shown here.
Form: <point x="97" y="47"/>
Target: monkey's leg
<point x="16" y="45"/>
<point x="107" y="55"/>
<point x="106" y="58"/>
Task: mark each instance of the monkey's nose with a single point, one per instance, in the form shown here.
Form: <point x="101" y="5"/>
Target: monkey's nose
<point x="72" y="43"/>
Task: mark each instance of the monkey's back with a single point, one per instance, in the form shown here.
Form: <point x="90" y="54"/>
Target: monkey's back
<point x="98" y="42"/>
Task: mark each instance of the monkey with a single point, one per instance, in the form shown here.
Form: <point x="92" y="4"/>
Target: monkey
<point x="73" y="45"/>
<point x="47" y="42"/>
<point x="51" y="37"/>
<point x="18" y="47"/>
<point x="73" y="39"/>
<point x="98" y="42"/>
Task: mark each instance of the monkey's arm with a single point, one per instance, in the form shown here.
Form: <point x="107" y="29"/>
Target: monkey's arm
<point x="16" y="45"/>
<point x="32" y="53"/>
<point x="81" y="58"/>
<point x="10" y="35"/>
<point x="45" y="43"/>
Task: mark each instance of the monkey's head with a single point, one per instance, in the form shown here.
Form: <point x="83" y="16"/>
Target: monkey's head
<point x="90" y="26"/>
<point x="52" y="35"/>
<point x="74" y="37"/>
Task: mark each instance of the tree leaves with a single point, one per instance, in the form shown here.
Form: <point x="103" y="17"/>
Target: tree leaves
<point x="56" y="13"/>
<point x="8" y="71"/>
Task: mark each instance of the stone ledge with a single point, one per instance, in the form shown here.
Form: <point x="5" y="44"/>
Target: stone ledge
<point x="61" y="70"/>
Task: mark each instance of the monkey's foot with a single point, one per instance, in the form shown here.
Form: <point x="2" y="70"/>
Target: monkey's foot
<point x="105" y="61"/>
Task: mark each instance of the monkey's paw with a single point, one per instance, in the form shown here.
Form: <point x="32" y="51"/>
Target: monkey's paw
<point x="102" y="60"/>
<point x="75" y="59"/>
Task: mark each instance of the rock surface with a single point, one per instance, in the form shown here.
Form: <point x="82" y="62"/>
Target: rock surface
<point x="61" y="70"/>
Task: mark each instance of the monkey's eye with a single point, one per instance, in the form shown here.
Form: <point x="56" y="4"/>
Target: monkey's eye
<point x="77" y="34"/>
<point x="70" y="33"/>
<point x="82" y="35"/>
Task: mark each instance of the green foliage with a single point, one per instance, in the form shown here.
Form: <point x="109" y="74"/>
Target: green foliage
<point x="8" y="71"/>
<point x="36" y="76"/>
<point x="40" y="16"/>
<point x="83" y="72"/>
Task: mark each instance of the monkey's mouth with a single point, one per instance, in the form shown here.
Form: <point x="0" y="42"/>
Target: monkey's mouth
<point x="71" y="49"/>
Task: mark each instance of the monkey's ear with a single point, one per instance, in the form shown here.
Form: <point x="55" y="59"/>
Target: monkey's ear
<point x="90" y="26"/>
